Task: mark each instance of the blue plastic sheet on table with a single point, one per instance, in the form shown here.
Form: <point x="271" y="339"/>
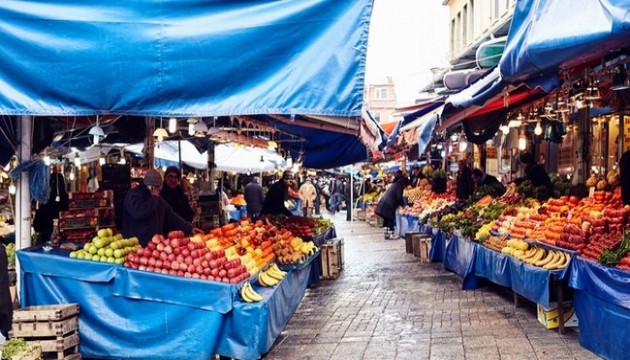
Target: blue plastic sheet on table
<point x="604" y="326"/>
<point x="237" y="214"/>
<point x="533" y="282"/>
<point x="438" y="246"/>
<point x="493" y="266"/>
<point x="116" y="327"/>
<point x="459" y="257"/>
<point x="401" y="225"/>
<point x="412" y="222"/>
<point x="251" y="329"/>
<point x="606" y="283"/>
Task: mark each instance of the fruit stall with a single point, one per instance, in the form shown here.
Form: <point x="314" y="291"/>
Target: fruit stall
<point x="236" y="288"/>
<point x="539" y="248"/>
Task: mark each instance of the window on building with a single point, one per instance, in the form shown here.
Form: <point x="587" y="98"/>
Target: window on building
<point x="377" y="116"/>
<point x="381" y="93"/>
<point x="472" y="20"/>
<point x="453" y="38"/>
<point x="465" y="26"/>
<point x="496" y="9"/>
<point x="459" y="37"/>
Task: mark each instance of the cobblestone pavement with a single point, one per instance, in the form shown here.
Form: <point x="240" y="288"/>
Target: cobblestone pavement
<point x="387" y="305"/>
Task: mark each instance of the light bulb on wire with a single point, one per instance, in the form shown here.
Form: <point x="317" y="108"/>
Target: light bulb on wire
<point x="522" y="142"/>
<point x="101" y="161"/>
<point x="172" y="125"/>
<point x="12" y="189"/>
<point x="47" y="160"/>
<point x="71" y="176"/>
<point x="538" y="129"/>
<point x="77" y="160"/>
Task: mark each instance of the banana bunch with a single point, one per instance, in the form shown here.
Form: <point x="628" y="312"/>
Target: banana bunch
<point x="249" y="294"/>
<point x="484" y="232"/>
<point x="308" y="248"/>
<point x="547" y="259"/>
<point x="271" y="276"/>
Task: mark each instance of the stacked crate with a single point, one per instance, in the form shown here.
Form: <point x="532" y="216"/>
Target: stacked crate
<point x="89" y="212"/>
<point x="55" y="328"/>
<point x="332" y="258"/>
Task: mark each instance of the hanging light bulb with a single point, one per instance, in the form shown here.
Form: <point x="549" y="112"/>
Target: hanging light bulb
<point x="191" y="126"/>
<point x="77" y="160"/>
<point x="71" y="176"/>
<point x="454" y="137"/>
<point x="12" y="189"/>
<point x="160" y="134"/>
<point x="47" y="160"/>
<point x="122" y="161"/>
<point x="538" y="129"/>
<point x="101" y="161"/>
<point x="522" y="142"/>
<point x="463" y="145"/>
<point x="172" y="125"/>
<point x="505" y="129"/>
<point x="97" y="133"/>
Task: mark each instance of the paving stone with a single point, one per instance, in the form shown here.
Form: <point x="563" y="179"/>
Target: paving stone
<point x="387" y="305"/>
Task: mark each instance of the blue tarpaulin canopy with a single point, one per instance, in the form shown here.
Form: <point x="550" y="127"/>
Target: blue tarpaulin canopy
<point x="549" y="35"/>
<point x="181" y="58"/>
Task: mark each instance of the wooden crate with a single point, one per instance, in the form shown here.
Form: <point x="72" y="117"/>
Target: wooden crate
<point x="45" y="312"/>
<point x="44" y="328"/>
<point x="65" y="347"/>
<point x="330" y="265"/>
<point x="420" y="246"/>
<point x="409" y="242"/>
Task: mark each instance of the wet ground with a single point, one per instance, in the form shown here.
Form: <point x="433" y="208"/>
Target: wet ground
<point x="388" y="305"/>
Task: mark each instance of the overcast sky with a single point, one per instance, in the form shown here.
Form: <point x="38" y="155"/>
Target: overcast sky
<point x="407" y="38"/>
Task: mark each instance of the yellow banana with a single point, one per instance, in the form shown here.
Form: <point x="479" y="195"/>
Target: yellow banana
<point x="277" y="269"/>
<point x="261" y="281"/>
<point x="265" y="280"/>
<point x="546" y="260"/>
<point x="557" y="257"/>
<point x="271" y="273"/>
<point x="251" y="293"/>
<point x="244" y="293"/>
<point x="538" y="255"/>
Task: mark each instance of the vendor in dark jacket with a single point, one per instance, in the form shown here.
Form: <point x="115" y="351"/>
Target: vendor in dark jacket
<point x="624" y="177"/>
<point x="277" y="194"/>
<point x="465" y="184"/>
<point x="146" y="213"/>
<point x="534" y="173"/>
<point x="481" y="178"/>
<point x="254" y="197"/>
<point x="173" y="193"/>
<point x="6" y="306"/>
<point x="391" y="200"/>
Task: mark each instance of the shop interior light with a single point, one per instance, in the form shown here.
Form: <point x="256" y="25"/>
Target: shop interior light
<point x="454" y="137"/>
<point x="289" y="161"/>
<point x="12" y="189"/>
<point x="620" y="78"/>
<point x="160" y="134"/>
<point x="71" y="176"/>
<point x="97" y="133"/>
<point x="191" y="126"/>
<point x="101" y="161"/>
<point x="172" y="125"/>
<point x="538" y="130"/>
<point x="463" y="144"/>
<point x="272" y="145"/>
<point x="214" y="129"/>
<point x="47" y="160"/>
<point x="505" y="129"/>
<point x="122" y="161"/>
<point x="200" y="129"/>
<point x="77" y="160"/>
<point x="514" y="124"/>
<point x="522" y="142"/>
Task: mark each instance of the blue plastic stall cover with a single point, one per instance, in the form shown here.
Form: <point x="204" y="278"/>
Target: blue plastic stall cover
<point x="493" y="266"/>
<point x="114" y="327"/>
<point x="534" y="283"/>
<point x="604" y="326"/>
<point x="609" y="284"/>
<point x="180" y="58"/>
<point x="548" y="35"/>
<point x="251" y="328"/>
<point x="438" y="247"/>
<point x="460" y="257"/>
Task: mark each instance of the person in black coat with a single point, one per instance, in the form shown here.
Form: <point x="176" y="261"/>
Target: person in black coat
<point x="465" y="185"/>
<point x="277" y="194"/>
<point x="146" y="213"/>
<point x="57" y="201"/>
<point x="6" y="306"/>
<point x="481" y="178"/>
<point x="534" y="173"/>
<point x="624" y="177"/>
<point x="390" y="201"/>
<point x="254" y="197"/>
<point x="173" y="193"/>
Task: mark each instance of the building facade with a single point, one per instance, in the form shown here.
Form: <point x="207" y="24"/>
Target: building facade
<point x="380" y="100"/>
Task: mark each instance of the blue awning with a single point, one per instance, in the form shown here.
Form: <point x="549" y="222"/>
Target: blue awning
<point x="549" y="35"/>
<point x="183" y="58"/>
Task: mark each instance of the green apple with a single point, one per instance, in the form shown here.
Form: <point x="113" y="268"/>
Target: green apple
<point x="87" y="245"/>
<point x="134" y="240"/>
<point x="101" y="252"/>
<point x="99" y="243"/>
<point x="73" y="254"/>
<point x="110" y="259"/>
<point x="115" y="245"/>
<point x="102" y="233"/>
<point x="109" y="252"/>
<point x="96" y="258"/>
<point x="118" y="253"/>
<point x="119" y="261"/>
<point x="81" y="255"/>
<point x="103" y="258"/>
<point x="109" y="232"/>
<point x="92" y="250"/>
<point x="118" y="236"/>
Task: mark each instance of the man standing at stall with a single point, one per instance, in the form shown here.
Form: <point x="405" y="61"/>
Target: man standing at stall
<point x="465" y="185"/>
<point x="174" y="194"/>
<point x="276" y="196"/>
<point x="146" y="213"/>
<point x="6" y="306"/>
<point x="254" y="198"/>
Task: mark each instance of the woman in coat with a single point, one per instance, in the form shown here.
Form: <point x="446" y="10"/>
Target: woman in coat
<point x="390" y="201"/>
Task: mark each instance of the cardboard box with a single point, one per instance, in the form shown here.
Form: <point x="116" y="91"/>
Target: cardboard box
<point x="548" y="316"/>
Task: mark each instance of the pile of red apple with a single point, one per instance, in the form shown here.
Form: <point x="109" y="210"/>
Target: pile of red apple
<point x="573" y="237"/>
<point x="177" y="255"/>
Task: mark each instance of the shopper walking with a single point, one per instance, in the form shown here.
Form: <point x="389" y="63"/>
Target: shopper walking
<point x="254" y="198"/>
<point x="390" y="201"/>
<point x="308" y="195"/>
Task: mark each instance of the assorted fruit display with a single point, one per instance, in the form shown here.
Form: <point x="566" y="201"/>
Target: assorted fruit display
<point x="107" y="247"/>
<point x="592" y="226"/>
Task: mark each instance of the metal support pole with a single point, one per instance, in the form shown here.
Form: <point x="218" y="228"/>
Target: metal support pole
<point x="179" y="152"/>
<point x="23" y="195"/>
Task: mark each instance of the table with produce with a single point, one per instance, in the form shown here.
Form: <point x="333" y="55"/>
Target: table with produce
<point x="526" y="241"/>
<point x="178" y="295"/>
